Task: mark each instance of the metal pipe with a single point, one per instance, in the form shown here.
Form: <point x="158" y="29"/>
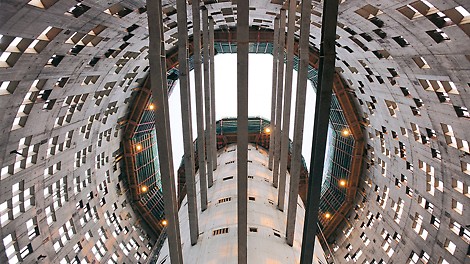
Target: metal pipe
<point x="296" y="161"/>
<point x="185" y="94"/>
<point x="287" y="105"/>
<point x="273" y="93"/>
<point x="280" y="90"/>
<point x="207" y="97"/>
<point x="212" y="79"/>
<point x="160" y="99"/>
<point x="242" y="126"/>
<point x="199" y="103"/>
<point x="320" y="130"/>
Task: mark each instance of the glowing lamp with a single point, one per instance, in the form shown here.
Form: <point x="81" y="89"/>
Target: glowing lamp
<point x="144" y="188"/>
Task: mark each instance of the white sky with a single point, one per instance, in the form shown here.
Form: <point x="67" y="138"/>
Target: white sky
<point x="259" y="99"/>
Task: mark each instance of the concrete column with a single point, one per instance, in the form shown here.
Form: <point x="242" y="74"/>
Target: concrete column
<point x="162" y="125"/>
<point x="296" y="161"/>
<point x="280" y="90"/>
<point x="207" y="97"/>
<point x="242" y="126"/>
<point x="287" y="105"/>
<point x="320" y="130"/>
<point x="273" y="93"/>
<point x="199" y="103"/>
<point x="212" y="79"/>
<point x="186" y="119"/>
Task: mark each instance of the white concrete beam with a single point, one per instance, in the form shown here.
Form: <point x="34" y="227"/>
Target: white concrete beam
<point x="199" y="102"/>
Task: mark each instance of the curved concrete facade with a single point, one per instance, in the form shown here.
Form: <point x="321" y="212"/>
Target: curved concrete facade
<point x="218" y="224"/>
<point x="67" y="72"/>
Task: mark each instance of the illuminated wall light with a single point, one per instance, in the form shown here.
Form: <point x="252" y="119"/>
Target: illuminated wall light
<point x="151" y="106"/>
<point x="346" y="132"/>
<point x="144" y="188"/>
<point x="138" y="147"/>
<point x="164" y="222"/>
<point x="342" y="183"/>
<point x="327" y="215"/>
<point x="267" y="130"/>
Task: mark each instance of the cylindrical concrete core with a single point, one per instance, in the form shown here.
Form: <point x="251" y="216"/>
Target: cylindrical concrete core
<point x="218" y="224"/>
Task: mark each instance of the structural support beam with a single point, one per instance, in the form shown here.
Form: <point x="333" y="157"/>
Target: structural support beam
<point x="287" y="105"/>
<point x="186" y="119"/>
<point x="273" y="93"/>
<point x="280" y="90"/>
<point x="162" y="125"/>
<point x="296" y="162"/>
<point x="243" y="8"/>
<point x="207" y="96"/>
<point x="199" y="103"/>
<point x="212" y="81"/>
<point x="322" y="112"/>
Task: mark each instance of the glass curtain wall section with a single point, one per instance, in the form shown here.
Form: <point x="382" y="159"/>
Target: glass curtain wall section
<point x="336" y="174"/>
<point x="146" y="165"/>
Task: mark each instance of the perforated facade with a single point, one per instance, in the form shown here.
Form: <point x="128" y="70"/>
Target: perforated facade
<point x="68" y="71"/>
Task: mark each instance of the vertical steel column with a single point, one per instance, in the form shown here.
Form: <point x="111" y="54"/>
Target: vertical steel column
<point x="162" y="125"/>
<point x="242" y="126"/>
<point x="185" y="94"/>
<point x="296" y="161"/>
<point x="199" y="102"/>
<point x="287" y="105"/>
<point x="207" y="97"/>
<point x="273" y="93"/>
<point x="212" y="79"/>
<point x="280" y="90"/>
<point x="322" y="113"/>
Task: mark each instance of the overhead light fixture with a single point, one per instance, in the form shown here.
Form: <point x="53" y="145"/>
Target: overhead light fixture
<point x="151" y="106"/>
<point x="267" y="130"/>
<point x="342" y="183"/>
<point x="327" y="215"/>
<point x="138" y="147"/>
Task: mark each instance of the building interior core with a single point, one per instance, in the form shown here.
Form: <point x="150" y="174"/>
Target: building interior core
<point x="87" y="150"/>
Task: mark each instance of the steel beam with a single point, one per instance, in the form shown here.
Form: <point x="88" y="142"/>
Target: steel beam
<point x="273" y="93"/>
<point x="185" y="94"/>
<point x="199" y="103"/>
<point x="322" y="112"/>
<point x="162" y="125"/>
<point x="207" y="97"/>
<point x="243" y="8"/>
<point x="280" y="90"/>
<point x="212" y="80"/>
<point x="296" y="162"/>
<point x="287" y="105"/>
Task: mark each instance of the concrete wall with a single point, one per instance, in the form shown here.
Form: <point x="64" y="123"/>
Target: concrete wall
<point x="69" y="138"/>
<point x="412" y="127"/>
